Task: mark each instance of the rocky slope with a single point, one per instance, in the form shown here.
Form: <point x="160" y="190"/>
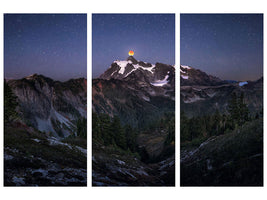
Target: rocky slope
<point x="232" y="159"/>
<point x="32" y="158"/>
<point x="51" y="106"/>
<point x="202" y="94"/>
<point x="113" y="167"/>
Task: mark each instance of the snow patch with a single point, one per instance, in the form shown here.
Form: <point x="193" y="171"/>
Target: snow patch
<point x="130" y="72"/>
<point x="18" y="181"/>
<point x="30" y="77"/>
<point x="82" y="111"/>
<point x="42" y="171"/>
<point x="159" y="83"/>
<point x="84" y="151"/>
<point x="186" y="67"/>
<point x="193" y="99"/>
<point x="62" y="119"/>
<point x="184" y="77"/>
<point x="150" y="69"/>
<point x="243" y="83"/>
<point x="141" y="172"/>
<point x="36" y="140"/>
<point x="121" y="162"/>
<point x="122" y="65"/>
<point x="182" y="71"/>
<point x="8" y="157"/>
<point x="146" y="98"/>
<point x="112" y="73"/>
<point x="54" y="141"/>
<point x="209" y="166"/>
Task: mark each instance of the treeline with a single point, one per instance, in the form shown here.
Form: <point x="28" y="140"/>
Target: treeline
<point x="110" y="131"/>
<point x="10" y="104"/>
<point x="206" y="126"/>
<point x="82" y="127"/>
<point x="166" y="122"/>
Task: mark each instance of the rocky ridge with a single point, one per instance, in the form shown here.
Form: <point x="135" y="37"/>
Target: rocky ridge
<point x="51" y="106"/>
<point x="203" y="94"/>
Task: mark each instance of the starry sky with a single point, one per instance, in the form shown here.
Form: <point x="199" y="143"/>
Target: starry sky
<point x="229" y="46"/>
<point x="150" y="36"/>
<point x="53" y="45"/>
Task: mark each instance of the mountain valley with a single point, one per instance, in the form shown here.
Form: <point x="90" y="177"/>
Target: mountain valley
<point x="133" y="125"/>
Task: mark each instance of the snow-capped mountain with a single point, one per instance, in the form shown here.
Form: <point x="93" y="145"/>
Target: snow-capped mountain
<point x="156" y="74"/>
<point x="192" y="76"/>
<point x="134" y="90"/>
<point x="49" y="105"/>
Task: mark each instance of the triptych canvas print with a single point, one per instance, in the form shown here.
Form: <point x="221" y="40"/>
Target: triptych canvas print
<point x="132" y="122"/>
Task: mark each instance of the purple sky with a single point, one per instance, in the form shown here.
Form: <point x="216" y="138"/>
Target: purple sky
<point x="150" y="36"/>
<point x="53" y="45"/>
<point x="229" y="46"/>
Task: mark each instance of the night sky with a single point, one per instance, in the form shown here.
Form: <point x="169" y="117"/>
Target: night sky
<point x="150" y="36"/>
<point x="53" y="45"/>
<point x="229" y="46"/>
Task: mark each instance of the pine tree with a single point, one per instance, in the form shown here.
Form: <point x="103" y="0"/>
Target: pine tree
<point x="10" y="104"/>
<point x="238" y="110"/>
<point x="233" y="108"/>
<point x="105" y="129"/>
<point x="243" y="110"/>
<point x="217" y="121"/>
<point x="184" y="128"/>
<point x="96" y="133"/>
<point x="82" y="128"/>
<point x="118" y="132"/>
<point x="171" y="131"/>
<point x="130" y="135"/>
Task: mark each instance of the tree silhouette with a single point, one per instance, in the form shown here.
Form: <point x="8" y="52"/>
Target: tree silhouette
<point x="10" y="104"/>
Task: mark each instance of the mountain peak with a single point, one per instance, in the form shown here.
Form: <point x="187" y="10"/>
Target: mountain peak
<point x="32" y="76"/>
<point x="131" y="58"/>
<point x="38" y="77"/>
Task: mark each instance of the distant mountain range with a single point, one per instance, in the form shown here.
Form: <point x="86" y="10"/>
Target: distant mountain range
<point x="51" y="106"/>
<point x="202" y="93"/>
<point x="192" y="76"/>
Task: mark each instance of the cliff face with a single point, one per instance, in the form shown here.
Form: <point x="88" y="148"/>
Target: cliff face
<point x="49" y="105"/>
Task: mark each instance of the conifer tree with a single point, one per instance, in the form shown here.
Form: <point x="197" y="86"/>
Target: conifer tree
<point x="233" y="108"/>
<point x="118" y="132"/>
<point x="10" y="104"/>
<point x="130" y="135"/>
<point x="105" y="129"/>
<point x="243" y="110"/>
<point x="238" y="110"/>
<point x="217" y="121"/>
<point x="96" y="133"/>
<point x="184" y="127"/>
<point x="82" y="128"/>
<point x="171" y="131"/>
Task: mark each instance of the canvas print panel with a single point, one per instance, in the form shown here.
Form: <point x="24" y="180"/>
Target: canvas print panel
<point x="221" y="121"/>
<point x="133" y="100"/>
<point x="45" y="100"/>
